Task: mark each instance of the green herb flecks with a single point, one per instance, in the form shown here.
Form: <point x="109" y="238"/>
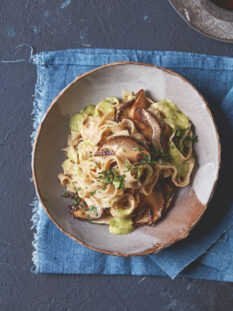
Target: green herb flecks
<point x="77" y="200"/>
<point x="127" y="166"/>
<point x="194" y="138"/>
<point x="186" y="142"/>
<point x="110" y="176"/>
<point x="180" y="133"/>
<point x="93" y="193"/>
<point x="89" y="218"/>
<point x="120" y="181"/>
<point x="146" y="159"/>
<point x="91" y="209"/>
<point x="77" y="189"/>
<point x="137" y="149"/>
<point x="163" y="163"/>
<point x="169" y="194"/>
<point x="158" y="153"/>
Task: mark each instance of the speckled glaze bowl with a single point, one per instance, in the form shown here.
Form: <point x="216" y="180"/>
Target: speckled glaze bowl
<point x="207" y="17"/>
<point x="90" y="88"/>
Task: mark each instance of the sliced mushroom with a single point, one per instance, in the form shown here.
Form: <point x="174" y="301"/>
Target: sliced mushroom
<point x="123" y="107"/>
<point x="86" y="212"/>
<point x="140" y="212"/>
<point x="145" y="121"/>
<point x="140" y="102"/>
<point x="104" y="152"/>
<point x="127" y="110"/>
<point x="123" y="146"/>
<point x="155" y="203"/>
<point x="168" y="191"/>
<point x="148" y="125"/>
<point x="103" y="220"/>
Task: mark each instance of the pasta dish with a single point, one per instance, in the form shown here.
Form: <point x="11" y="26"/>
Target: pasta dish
<point x="125" y="159"/>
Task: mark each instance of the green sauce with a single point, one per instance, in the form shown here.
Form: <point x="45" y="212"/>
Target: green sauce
<point x="178" y="121"/>
<point x="121" y="225"/>
<point x="89" y="110"/>
<point x="173" y="115"/>
<point x="66" y="165"/>
<point x="72" y="155"/>
<point x="176" y="159"/>
<point x="106" y="106"/>
<point x="77" y="120"/>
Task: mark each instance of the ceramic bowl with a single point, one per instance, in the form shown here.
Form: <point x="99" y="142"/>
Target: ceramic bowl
<point x="207" y="17"/>
<point x="90" y="88"/>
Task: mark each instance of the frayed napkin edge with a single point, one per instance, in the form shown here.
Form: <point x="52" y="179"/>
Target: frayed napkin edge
<point x="38" y="115"/>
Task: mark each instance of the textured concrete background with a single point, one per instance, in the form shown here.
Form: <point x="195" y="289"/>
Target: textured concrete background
<point x="49" y="25"/>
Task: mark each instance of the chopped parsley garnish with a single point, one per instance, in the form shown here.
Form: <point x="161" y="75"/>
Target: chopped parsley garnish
<point x="169" y="194"/>
<point x="120" y="180"/>
<point x="127" y="166"/>
<point x="194" y="138"/>
<point x="110" y="176"/>
<point x="91" y="209"/>
<point x="180" y="133"/>
<point x="76" y="189"/>
<point x="93" y="192"/>
<point x="124" y="150"/>
<point x="146" y="159"/>
<point x="89" y="218"/>
<point x="77" y="200"/>
<point x="137" y="149"/>
<point x="158" y="153"/>
<point x="65" y="195"/>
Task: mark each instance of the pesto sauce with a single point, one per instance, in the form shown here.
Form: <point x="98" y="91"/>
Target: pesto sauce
<point x="176" y="159"/>
<point x="173" y="115"/>
<point x="121" y="225"/>
<point x="77" y="120"/>
<point x="178" y="121"/>
<point x="106" y="106"/>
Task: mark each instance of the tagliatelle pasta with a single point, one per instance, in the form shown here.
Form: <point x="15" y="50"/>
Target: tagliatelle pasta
<point x="125" y="159"/>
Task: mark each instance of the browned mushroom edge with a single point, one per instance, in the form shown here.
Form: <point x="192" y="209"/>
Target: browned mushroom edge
<point x="153" y="206"/>
<point x="131" y="148"/>
<point x="87" y="213"/>
<point x="148" y="125"/>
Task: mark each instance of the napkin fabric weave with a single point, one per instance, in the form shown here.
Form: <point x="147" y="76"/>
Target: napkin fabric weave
<point x="207" y="252"/>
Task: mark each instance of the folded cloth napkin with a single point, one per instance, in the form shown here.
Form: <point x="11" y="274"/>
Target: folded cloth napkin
<point x="210" y="244"/>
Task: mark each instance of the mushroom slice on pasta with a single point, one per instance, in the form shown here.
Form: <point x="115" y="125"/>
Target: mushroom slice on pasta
<point x="154" y="205"/>
<point x="122" y="146"/>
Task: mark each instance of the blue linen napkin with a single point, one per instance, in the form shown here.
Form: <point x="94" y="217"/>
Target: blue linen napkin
<point x="54" y="252"/>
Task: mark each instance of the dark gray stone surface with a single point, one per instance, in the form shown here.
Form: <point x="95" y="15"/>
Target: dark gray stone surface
<point x="50" y="25"/>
